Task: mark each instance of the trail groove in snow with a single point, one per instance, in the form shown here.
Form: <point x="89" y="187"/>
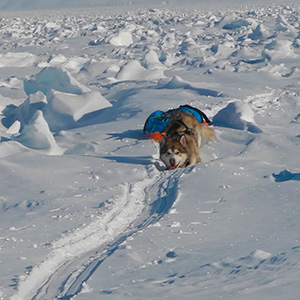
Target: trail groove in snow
<point x="121" y="220"/>
<point x="164" y="190"/>
<point x="124" y="211"/>
<point x="161" y="195"/>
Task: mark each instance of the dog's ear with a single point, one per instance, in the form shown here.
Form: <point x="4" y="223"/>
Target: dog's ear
<point x="182" y="141"/>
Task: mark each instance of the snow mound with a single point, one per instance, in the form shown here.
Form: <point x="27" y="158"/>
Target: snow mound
<point x="56" y="60"/>
<point x="236" y="115"/>
<point x="133" y="70"/>
<point x="51" y="27"/>
<point x="53" y="78"/>
<point x="93" y="68"/>
<point x="260" y="32"/>
<point x="232" y="22"/>
<point x="152" y="61"/>
<point x="187" y="45"/>
<point x="176" y="82"/>
<point x="282" y="24"/>
<point x="27" y="109"/>
<point x="123" y="38"/>
<point x="225" y="49"/>
<point x="12" y="82"/>
<point x="14" y="128"/>
<point x="260" y="254"/>
<point x="36" y="135"/>
<point x="77" y="106"/>
<point x="280" y="50"/>
<point x="10" y="148"/>
<point x="22" y="59"/>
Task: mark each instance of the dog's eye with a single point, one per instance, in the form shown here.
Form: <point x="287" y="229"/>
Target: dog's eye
<point x="176" y="152"/>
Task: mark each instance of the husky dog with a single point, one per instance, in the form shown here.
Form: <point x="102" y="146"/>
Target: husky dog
<point x="180" y="146"/>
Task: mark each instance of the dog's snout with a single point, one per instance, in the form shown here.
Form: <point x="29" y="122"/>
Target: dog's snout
<point x="172" y="161"/>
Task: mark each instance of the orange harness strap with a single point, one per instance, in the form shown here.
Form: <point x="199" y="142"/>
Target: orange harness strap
<point x="157" y="136"/>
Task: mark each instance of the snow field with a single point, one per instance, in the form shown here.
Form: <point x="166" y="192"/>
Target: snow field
<point x="87" y="209"/>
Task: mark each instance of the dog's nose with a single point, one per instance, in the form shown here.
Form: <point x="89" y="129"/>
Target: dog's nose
<point x="172" y="161"/>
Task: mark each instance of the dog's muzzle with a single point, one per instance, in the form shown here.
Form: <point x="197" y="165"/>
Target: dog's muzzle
<point x="172" y="164"/>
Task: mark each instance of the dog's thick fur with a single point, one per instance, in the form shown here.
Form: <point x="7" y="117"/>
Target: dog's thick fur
<point x="180" y="146"/>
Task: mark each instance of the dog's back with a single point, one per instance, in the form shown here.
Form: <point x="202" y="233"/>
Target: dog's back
<point x="182" y="122"/>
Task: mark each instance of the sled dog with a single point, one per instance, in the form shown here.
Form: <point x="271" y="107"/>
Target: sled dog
<point x="180" y="146"/>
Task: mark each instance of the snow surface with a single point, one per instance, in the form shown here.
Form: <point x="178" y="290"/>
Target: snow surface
<point x="87" y="210"/>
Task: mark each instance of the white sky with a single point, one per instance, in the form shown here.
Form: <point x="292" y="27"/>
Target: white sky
<point x="46" y="4"/>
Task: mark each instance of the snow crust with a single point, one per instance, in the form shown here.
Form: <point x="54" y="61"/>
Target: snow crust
<point x="87" y="210"/>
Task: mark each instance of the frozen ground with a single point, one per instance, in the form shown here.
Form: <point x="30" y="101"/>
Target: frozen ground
<point x="87" y="210"/>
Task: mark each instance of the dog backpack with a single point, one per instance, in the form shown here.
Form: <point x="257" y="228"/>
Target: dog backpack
<point x="158" y="120"/>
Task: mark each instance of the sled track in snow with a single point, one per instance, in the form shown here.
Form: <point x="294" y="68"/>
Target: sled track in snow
<point x="167" y="192"/>
<point x="78" y="255"/>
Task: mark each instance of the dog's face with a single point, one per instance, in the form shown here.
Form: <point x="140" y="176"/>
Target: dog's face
<point x="173" y="153"/>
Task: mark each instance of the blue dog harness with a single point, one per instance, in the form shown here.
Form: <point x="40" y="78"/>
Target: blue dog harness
<point x="158" y="120"/>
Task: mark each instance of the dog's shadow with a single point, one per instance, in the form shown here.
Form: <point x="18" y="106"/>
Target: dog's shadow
<point x="135" y="160"/>
<point x="140" y="160"/>
<point x="136" y="134"/>
<point x="129" y="134"/>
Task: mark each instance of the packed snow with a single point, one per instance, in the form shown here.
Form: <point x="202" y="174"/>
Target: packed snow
<point x="87" y="210"/>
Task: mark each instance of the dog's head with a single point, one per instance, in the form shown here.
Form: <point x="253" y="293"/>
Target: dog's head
<point x="173" y="152"/>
